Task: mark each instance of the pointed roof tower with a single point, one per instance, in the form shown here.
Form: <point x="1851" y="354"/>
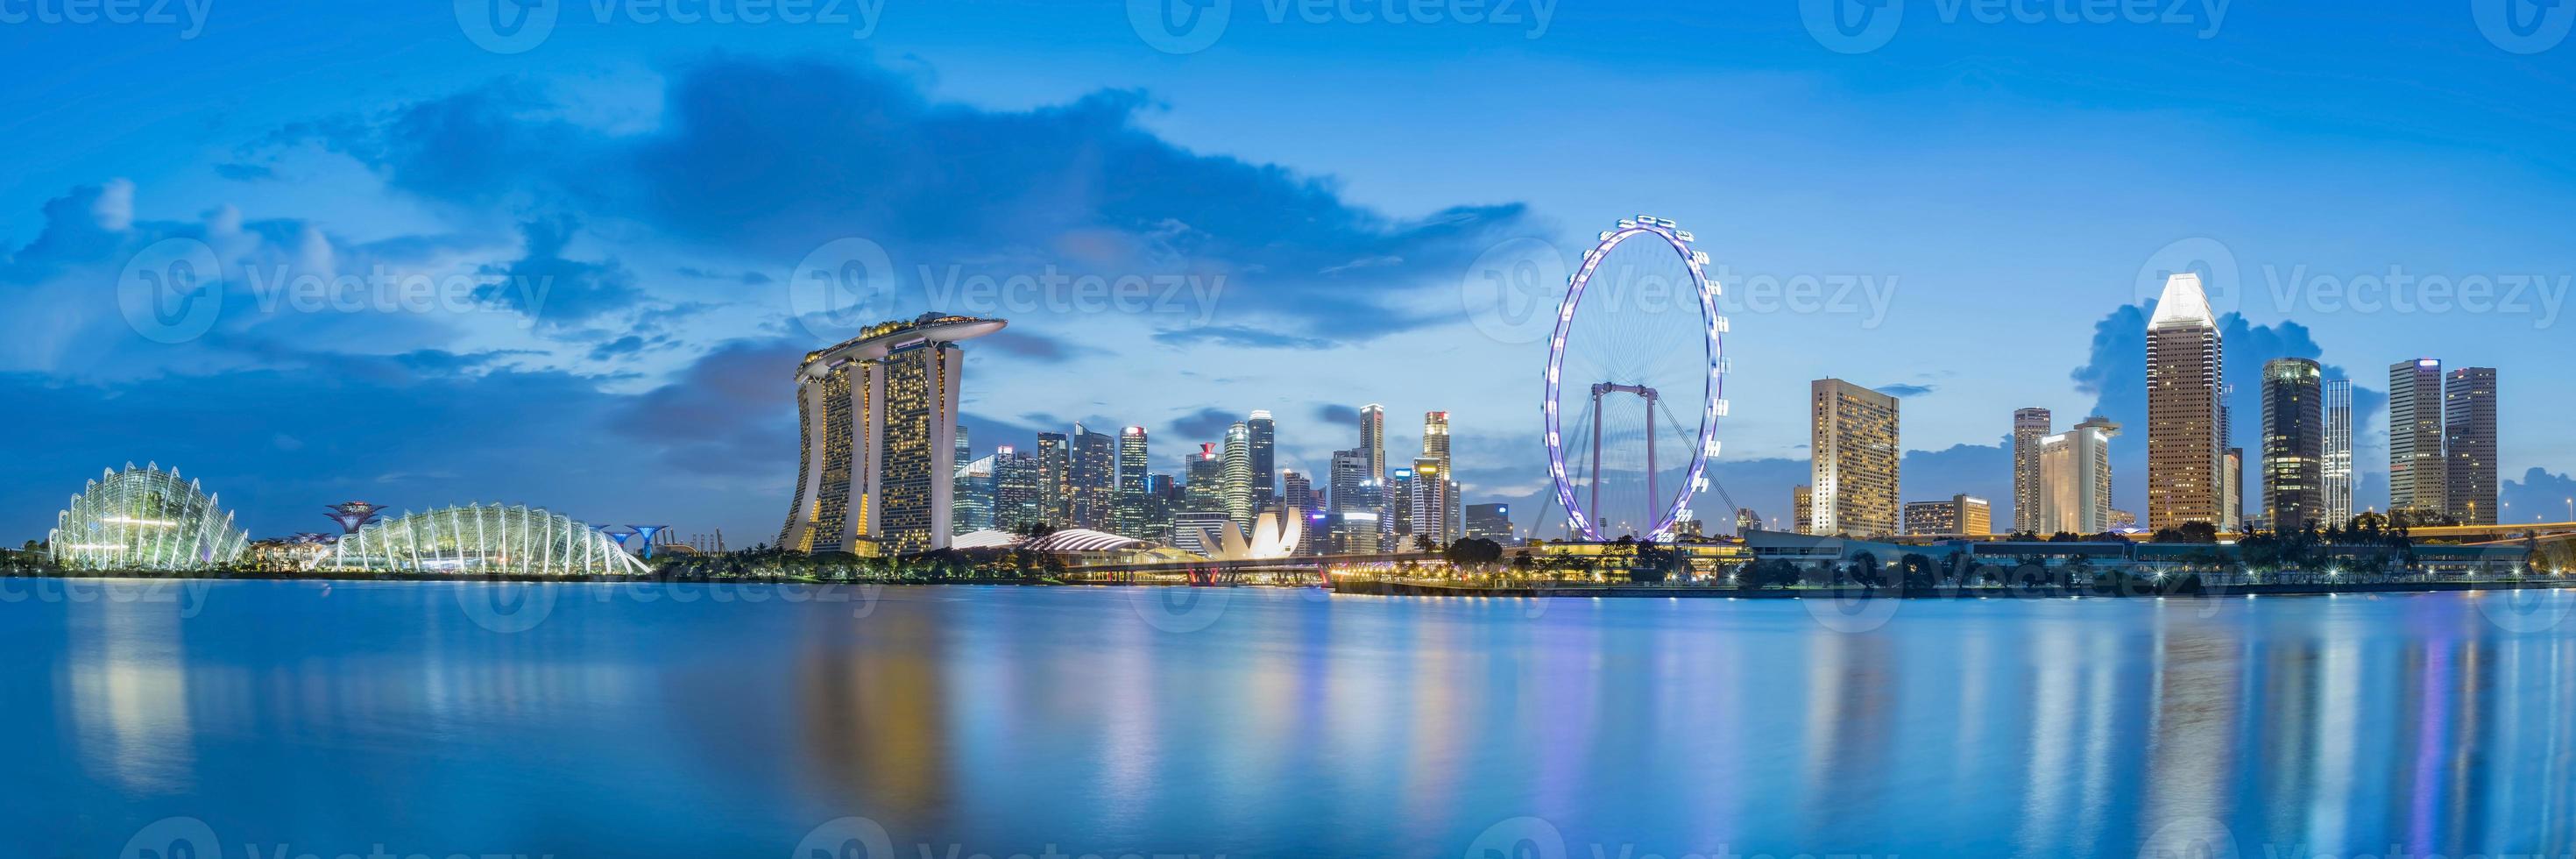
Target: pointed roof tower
<point x="2183" y="304"/>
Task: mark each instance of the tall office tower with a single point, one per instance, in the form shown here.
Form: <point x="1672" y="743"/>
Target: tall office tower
<point x="1349" y="470"/>
<point x="2029" y="427"/>
<point x="1802" y="505"/>
<point x="1092" y="490"/>
<point x="1205" y="501"/>
<point x="1856" y="461"/>
<point x="1237" y="480"/>
<point x="2075" y="480"/>
<point x="1435" y="447"/>
<point x="2418" y="474"/>
<point x="1265" y="463"/>
<point x="1162" y="496"/>
<point x="876" y="472"/>
<point x="965" y="451"/>
<point x="1356" y="528"/>
<point x="1133" y="516"/>
<point x="1054" y="478"/>
<point x="1373" y="440"/>
<point x="2294" y="444"/>
<point x="975" y="496"/>
<point x="1297" y="499"/>
<point x="2337" y="474"/>
<point x="2186" y="432"/>
<point x="1018" y="494"/>
<point x="1431" y="498"/>
<point x="1399" y="524"/>
<point x="2231" y="510"/>
<point x="2469" y="436"/>
<point x="1490" y="522"/>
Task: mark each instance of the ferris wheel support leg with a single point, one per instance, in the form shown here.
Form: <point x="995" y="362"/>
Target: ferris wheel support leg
<point x="1595" y="512"/>
<point x="1653" y="516"/>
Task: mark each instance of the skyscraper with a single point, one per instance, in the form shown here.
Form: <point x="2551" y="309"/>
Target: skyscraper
<point x="2337" y="474"/>
<point x="1134" y="516"/>
<point x="2417" y="471"/>
<point x="1490" y="522"/>
<point x="2186" y="431"/>
<point x="975" y="496"/>
<point x="2469" y="439"/>
<point x="1399" y="524"/>
<point x="1297" y="494"/>
<point x="1092" y="489"/>
<point x="1019" y="495"/>
<point x="877" y="466"/>
<point x="1054" y="478"/>
<point x="1373" y="440"/>
<point x="1431" y="501"/>
<point x="965" y="451"/>
<point x="1802" y="507"/>
<point x="2294" y="444"/>
<point x="1236" y="482"/>
<point x="2029" y="427"/>
<point x="2231" y="494"/>
<point x="1856" y="461"/>
<point x="1264" y="459"/>
<point x="1204" y="507"/>
<point x="1435" y="447"/>
<point x="2075" y="480"/>
<point x="1349" y="470"/>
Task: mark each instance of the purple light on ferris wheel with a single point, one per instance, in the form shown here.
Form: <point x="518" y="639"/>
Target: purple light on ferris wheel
<point x="1713" y="402"/>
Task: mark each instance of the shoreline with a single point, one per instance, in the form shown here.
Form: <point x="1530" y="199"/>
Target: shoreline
<point x="1426" y="589"/>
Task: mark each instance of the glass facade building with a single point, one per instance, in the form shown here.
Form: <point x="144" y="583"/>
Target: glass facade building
<point x="877" y="470"/>
<point x="145" y="519"/>
<point x="484" y="538"/>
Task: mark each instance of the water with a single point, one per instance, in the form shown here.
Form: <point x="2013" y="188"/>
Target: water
<point x="245" y="718"/>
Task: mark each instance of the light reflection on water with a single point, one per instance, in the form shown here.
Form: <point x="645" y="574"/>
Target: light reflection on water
<point x="1002" y="720"/>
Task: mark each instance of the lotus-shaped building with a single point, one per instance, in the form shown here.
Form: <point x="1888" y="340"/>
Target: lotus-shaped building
<point x="484" y="538"/>
<point x="145" y="519"/>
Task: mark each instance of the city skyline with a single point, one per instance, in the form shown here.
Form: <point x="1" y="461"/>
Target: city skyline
<point x="651" y="350"/>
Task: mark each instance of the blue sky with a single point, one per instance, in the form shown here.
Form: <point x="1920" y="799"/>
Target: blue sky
<point x="1315" y="184"/>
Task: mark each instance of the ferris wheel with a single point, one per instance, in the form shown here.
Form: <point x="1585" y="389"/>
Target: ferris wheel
<point x="1639" y="330"/>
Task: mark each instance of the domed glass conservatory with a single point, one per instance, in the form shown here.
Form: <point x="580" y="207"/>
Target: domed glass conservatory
<point x="482" y="538"/>
<point x="144" y="519"/>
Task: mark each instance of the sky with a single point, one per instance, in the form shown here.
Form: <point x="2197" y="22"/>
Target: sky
<point x="567" y="254"/>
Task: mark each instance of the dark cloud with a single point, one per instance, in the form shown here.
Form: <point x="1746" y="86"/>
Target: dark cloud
<point x="772" y="159"/>
<point x="1337" y="415"/>
<point x="1205" y="424"/>
<point x="1907" y="390"/>
<point x="556" y="291"/>
<point x="2540" y="494"/>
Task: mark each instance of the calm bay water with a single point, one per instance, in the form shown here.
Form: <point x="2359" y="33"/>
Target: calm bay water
<point x="627" y="720"/>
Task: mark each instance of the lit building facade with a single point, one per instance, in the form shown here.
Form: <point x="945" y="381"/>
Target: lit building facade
<point x="2075" y="480"/>
<point x="2186" y="427"/>
<point x="1134" y="513"/>
<point x="879" y="424"/>
<point x="1055" y="478"/>
<point x="1091" y="482"/>
<point x="2336" y="475"/>
<point x="145" y="519"/>
<point x="1431" y="501"/>
<point x="2469" y="445"/>
<point x="2294" y="444"/>
<point x="1019" y="493"/>
<point x="1857" y="461"/>
<point x="1235" y="481"/>
<point x="1491" y="522"/>
<point x="2030" y="427"/>
<point x="1802" y="508"/>
<point x="1961" y="515"/>
<point x="1265" y="458"/>
<point x="2418" y="474"/>
<point x="975" y="496"/>
<point x="488" y="538"/>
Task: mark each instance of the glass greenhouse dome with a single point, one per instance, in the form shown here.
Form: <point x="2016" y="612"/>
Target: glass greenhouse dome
<point x="144" y="519"/>
<point x="482" y="538"/>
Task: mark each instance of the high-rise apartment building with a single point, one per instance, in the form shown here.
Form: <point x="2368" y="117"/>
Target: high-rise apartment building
<point x="2186" y="424"/>
<point x="2294" y="444"/>
<point x="2418" y="473"/>
<point x="1802" y="506"/>
<point x="2075" y="480"/>
<point x="2030" y="426"/>
<point x="2469" y="445"/>
<point x="1856" y="461"/>
<point x="2336" y="476"/>
<point x="1265" y="461"/>
<point x="876" y="472"/>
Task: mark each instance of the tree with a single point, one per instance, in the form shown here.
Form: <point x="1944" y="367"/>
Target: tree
<point x="1918" y="573"/>
<point x="1423" y="543"/>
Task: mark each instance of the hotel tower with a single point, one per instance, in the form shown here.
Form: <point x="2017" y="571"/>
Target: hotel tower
<point x="879" y="418"/>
